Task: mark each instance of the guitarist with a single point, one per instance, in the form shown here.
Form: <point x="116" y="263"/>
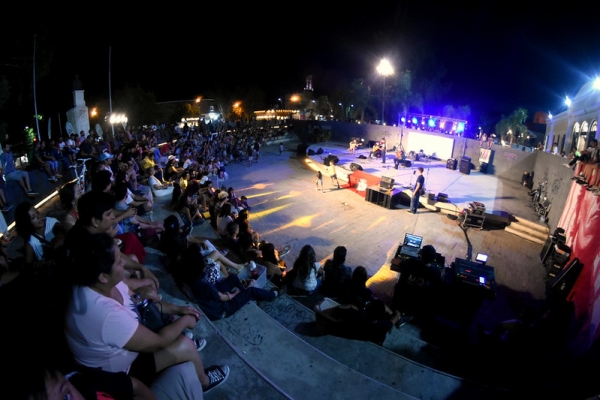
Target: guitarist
<point x="376" y="150"/>
<point x="400" y="157"/>
<point x="353" y="146"/>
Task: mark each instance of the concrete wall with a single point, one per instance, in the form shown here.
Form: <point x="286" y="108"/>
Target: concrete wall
<point x="505" y="162"/>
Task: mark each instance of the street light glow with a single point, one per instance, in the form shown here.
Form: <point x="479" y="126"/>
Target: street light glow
<point x="384" y="69"/>
<point x="568" y="101"/>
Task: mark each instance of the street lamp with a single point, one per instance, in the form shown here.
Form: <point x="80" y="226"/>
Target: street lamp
<point x="384" y="69"/>
<point x="343" y="112"/>
<point x="280" y="102"/>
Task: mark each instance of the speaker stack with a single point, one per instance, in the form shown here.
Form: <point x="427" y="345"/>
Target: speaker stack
<point x="451" y="164"/>
<point x="465" y="165"/>
<point x="557" y="237"/>
<point x="356" y="167"/>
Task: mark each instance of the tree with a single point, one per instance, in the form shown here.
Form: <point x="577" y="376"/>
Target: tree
<point x="511" y="128"/>
<point x="360" y="96"/>
<point x="402" y="95"/>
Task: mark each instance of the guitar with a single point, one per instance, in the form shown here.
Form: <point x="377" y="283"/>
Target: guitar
<point x="354" y="145"/>
<point x="400" y="155"/>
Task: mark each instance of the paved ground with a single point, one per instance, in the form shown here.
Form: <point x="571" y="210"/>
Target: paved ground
<point x="286" y="209"/>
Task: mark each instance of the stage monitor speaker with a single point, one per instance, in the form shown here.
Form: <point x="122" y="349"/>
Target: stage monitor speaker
<point x="451" y="164"/>
<point x="548" y="249"/>
<point x="311" y="152"/>
<point x="386" y="182"/>
<point x="483" y="168"/>
<point x="356" y="167"/>
<point x="465" y="166"/>
<point x="442" y="197"/>
<point x="407" y="163"/>
<point x="563" y="282"/>
<point x="320" y="151"/>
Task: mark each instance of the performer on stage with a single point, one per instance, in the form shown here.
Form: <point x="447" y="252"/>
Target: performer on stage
<point x="418" y="191"/>
<point x="383" y="147"/>
<point x="353" y="146"/>
<point x="375" y="152"/>
<point x="400" y="158"/>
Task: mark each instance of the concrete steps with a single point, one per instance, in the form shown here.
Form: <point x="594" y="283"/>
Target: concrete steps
<point x="528" y="230"/>
<point x="384" y="364"/>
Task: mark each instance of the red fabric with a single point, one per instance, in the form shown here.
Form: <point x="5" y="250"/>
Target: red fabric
<point x="581" y="221"/>
<point x="355" y="177"/>
<point x="132" y="245"/>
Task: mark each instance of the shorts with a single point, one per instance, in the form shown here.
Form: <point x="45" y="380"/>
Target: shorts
<point x="334" y="176"/>
<point x="16" y="175"/>
<point x="144" y="368"/>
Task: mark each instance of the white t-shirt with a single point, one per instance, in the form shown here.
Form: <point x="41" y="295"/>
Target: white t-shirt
<point x="152" y="180"/>
<point x="310" y="283"/>
<point x="36" y="244"/>
<point x="98" y="327"/>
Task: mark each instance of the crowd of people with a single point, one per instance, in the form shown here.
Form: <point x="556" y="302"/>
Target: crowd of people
<point x="88" y="270"/>
<point x="83" y="274"/>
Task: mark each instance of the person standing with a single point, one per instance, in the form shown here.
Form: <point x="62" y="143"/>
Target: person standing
<point x="319" y="181"/>
<point x="280" y="148"/>
<point x="418" y="190"/>
<point x="333" y="173"/>
<point x="383" y="150"/>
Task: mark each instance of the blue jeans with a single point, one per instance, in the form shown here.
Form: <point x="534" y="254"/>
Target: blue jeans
<point x="414" y="203"/>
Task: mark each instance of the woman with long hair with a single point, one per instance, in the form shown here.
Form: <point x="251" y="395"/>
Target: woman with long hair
<point x="40" y="234"/>
<point x="68" y="195"/>
<point x="220" y="299"/>
<point x="308" y="271"/>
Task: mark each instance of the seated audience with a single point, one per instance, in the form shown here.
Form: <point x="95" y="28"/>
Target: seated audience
<point x="220" y="299"/>
<point x="335" y="272"/>
<point x="355" y="291"/>
<point x="159" y="189"/>
<point x="41" y="235"/>
<point x="101" y="301"/>
<point x="307" y="271"/>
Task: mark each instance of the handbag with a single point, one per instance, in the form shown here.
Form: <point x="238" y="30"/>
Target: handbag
<point x="151" y="315"/>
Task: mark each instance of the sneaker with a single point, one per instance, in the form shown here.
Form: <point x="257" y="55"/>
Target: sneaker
<point x="58" y="176"/>
<point x="200" y="343"/>
<point x="285" y="251"/>
<point x="567" y="165"/>
<point x="410" y="211"/>
<point x="404" y="319"/>
<point x="217" y="374"/>
<point x="52" y="179"/>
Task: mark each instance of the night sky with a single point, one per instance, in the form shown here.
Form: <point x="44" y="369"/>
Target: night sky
<point x="497" y="57"/>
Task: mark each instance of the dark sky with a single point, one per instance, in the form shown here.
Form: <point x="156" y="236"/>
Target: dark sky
<point x="497" y="57"/>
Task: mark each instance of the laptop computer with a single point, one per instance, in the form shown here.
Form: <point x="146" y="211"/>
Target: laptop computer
<point x="411" y="245"/>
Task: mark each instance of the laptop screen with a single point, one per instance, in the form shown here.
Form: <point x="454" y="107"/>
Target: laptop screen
<point x="413" y="240"/>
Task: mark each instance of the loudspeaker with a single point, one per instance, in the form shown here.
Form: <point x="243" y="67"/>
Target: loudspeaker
<point x="407" y="163"/>
<point x="451" y="164"/>
<point x="483" y="168"/>
<point x="442" y="197"/>
<point x="311" y="152"/>
<point x="465" y="166"/>
<point x="561" y="285"/>
<point x="320" y="151"/>
<point x="356" y="167"/>
<point x="386" y="182"/>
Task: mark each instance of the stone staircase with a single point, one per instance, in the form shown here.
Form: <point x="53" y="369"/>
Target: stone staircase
<point x="531" y="231"/>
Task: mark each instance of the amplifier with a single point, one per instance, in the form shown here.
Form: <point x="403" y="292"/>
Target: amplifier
<point x="386" y="182"/>
<point x="476" y="208"/>
<point x="451" y="164"/>
<point x="475" y="274"/>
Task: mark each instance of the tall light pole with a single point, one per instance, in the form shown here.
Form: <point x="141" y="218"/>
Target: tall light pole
<point x="384" y="69"/>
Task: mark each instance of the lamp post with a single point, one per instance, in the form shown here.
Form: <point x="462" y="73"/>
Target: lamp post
<point x="280" y="103"/>
<point x="384" y="69"/>
<point x="343" y="111"/>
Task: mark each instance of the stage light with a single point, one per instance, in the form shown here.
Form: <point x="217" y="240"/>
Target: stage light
<point x="431" y="123"/>
<point x="403" y="119"/>
<point x="414" y="120"/>
<point x="597" y="83"/>
<point x="568" y="101"/>
<point x="460" y="127"/>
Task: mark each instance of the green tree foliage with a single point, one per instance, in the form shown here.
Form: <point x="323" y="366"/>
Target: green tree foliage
<point x="402" y="95"/>
<point x="513" y="126"/>
<point x="360" y="96"/>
